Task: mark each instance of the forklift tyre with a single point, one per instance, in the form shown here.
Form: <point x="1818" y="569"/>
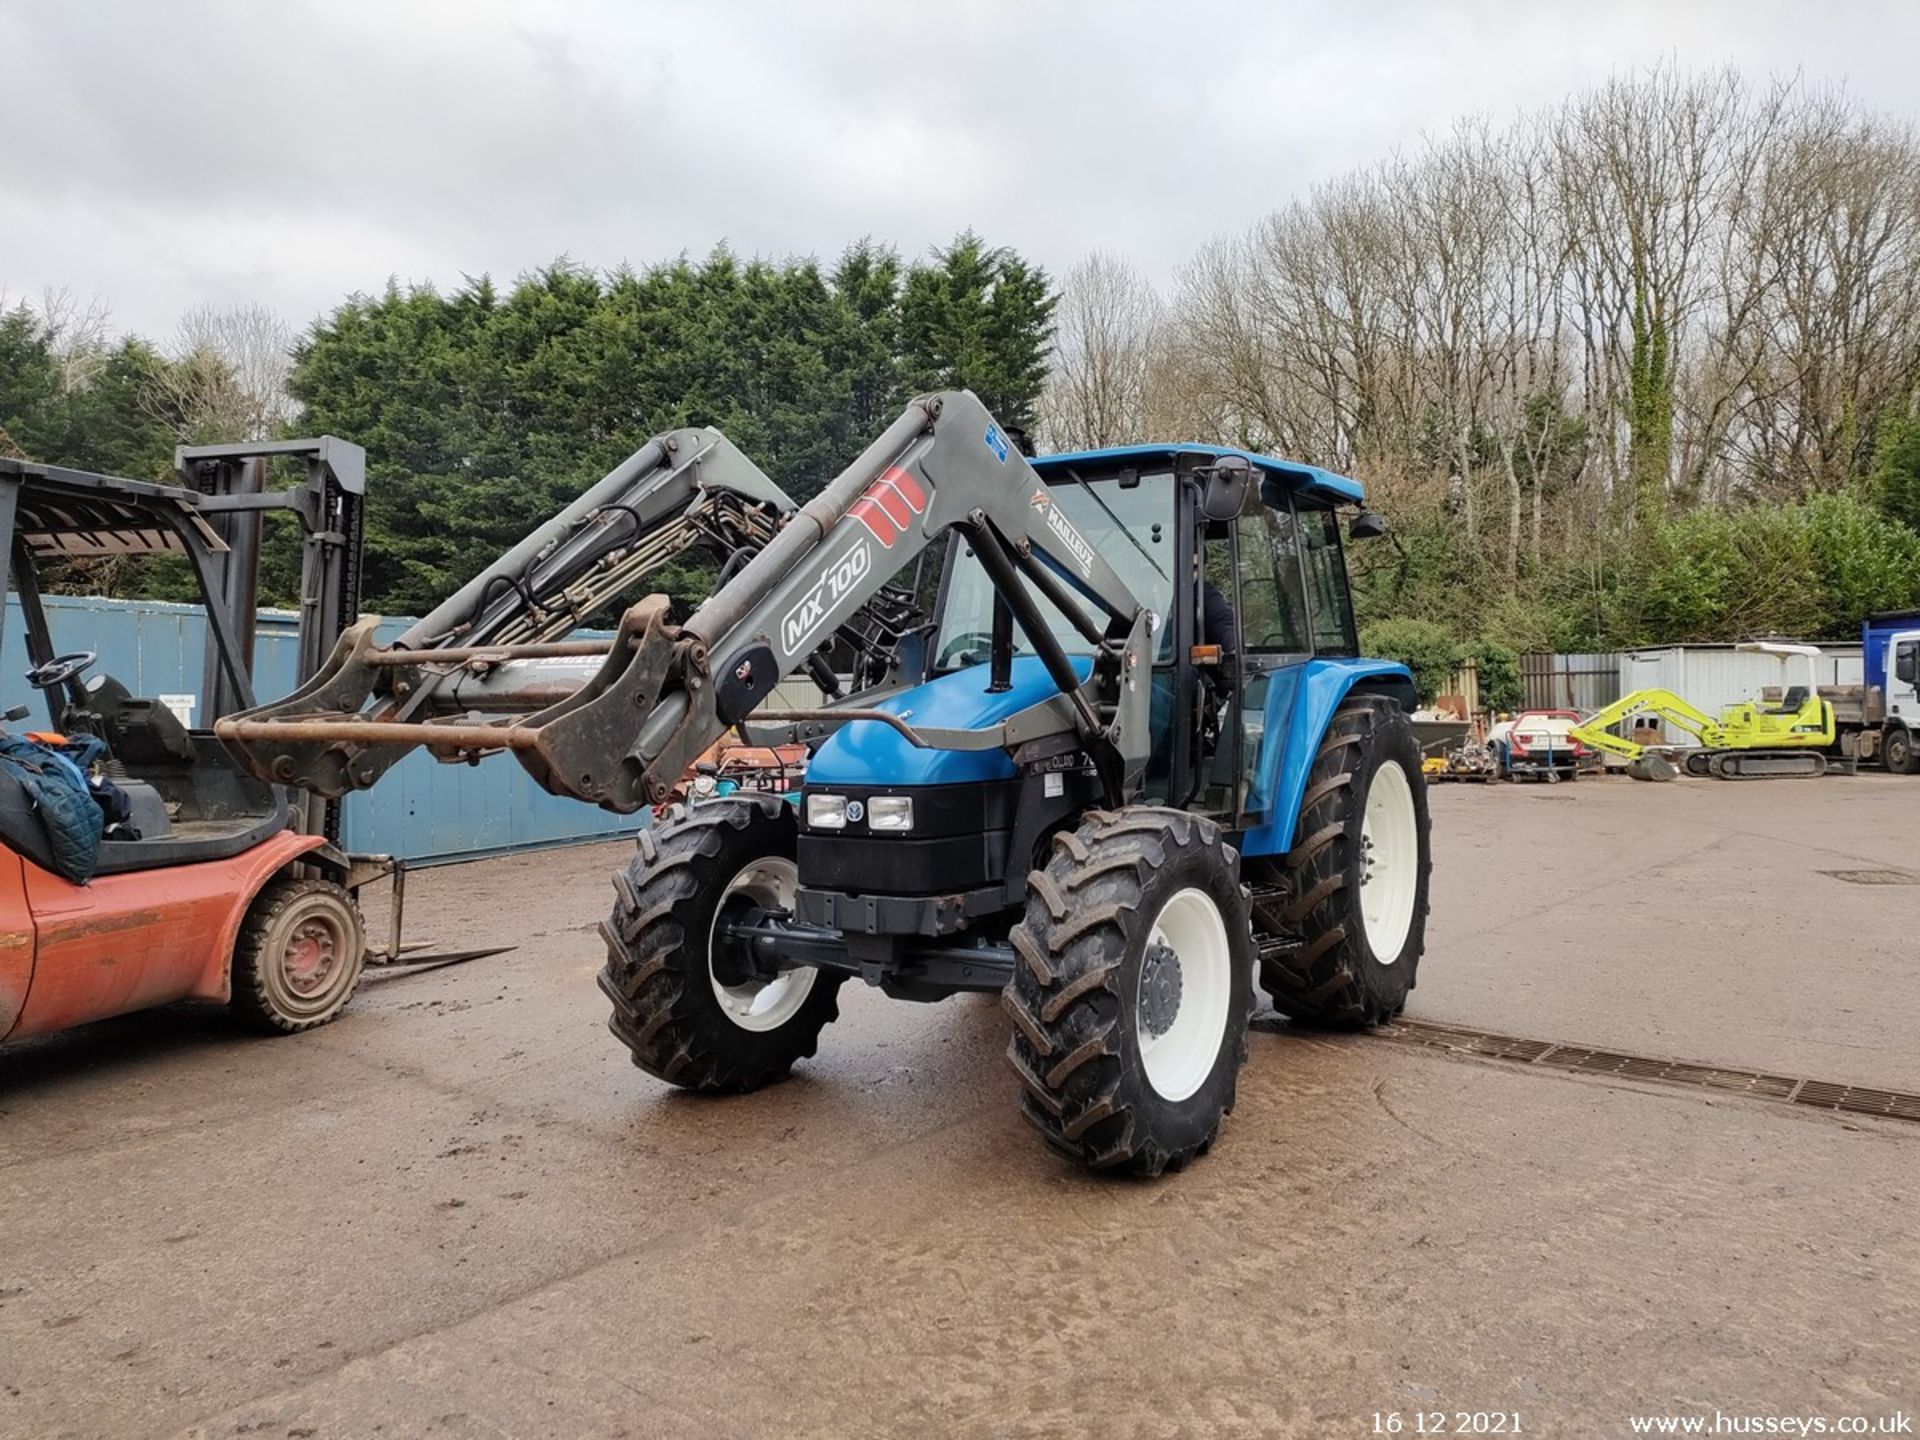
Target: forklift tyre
<point x="1131" y="990"/>
<point x="1353" y="890"/>
<point x="299" y="956"/>
<point x="678" y="1020"/>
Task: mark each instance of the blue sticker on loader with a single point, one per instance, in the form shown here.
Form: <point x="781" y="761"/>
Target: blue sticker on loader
<point x="997" y="443"/>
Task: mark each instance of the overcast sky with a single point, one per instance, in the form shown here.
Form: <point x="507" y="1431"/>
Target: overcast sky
<point x="161" y="153"/>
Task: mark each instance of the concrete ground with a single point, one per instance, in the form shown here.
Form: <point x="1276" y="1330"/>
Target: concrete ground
<point x="461" y="1212"/>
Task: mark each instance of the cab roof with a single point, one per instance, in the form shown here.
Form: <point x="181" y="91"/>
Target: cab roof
<point x="1308" y="479"/>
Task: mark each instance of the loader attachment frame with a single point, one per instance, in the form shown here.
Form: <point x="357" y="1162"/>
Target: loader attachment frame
<point x="638" y="709"/>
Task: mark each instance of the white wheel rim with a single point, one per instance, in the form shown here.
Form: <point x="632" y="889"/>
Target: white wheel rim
<point x="1178" y="1060"/>
<point x="762" y="1005"/>
<point x="1389" y="863"/>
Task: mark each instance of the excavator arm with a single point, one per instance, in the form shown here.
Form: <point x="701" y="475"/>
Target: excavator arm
<point x="1663" y="703"/>
<point x="637" y="710"/>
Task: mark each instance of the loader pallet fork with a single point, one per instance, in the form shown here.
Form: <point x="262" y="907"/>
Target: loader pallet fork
<point x="491" y="669"/>
<point x="1053" y="790"/>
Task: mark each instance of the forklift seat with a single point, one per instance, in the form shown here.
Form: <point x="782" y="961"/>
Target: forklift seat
<point x="139" y="731"/>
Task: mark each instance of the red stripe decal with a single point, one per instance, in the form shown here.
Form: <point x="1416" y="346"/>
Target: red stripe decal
<point x="891" y="501"/>
<point x="908" y="487"/>
<point x="875" y="519"/>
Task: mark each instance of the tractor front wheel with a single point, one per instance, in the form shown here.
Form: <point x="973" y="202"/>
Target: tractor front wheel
<point x="690" y="1012"/>
<point x="299" y="956"/>
<point x="1132" y="984"/>
<point x="1343" y="918"/>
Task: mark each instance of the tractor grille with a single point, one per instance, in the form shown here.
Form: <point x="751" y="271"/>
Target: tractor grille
<point x="1584" y="1060"/>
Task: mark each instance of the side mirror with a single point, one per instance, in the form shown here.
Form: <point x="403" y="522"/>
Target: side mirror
<point x="17" y="713"/>
<point x="1367" y="525"/>
<point x="1227" y="481"/>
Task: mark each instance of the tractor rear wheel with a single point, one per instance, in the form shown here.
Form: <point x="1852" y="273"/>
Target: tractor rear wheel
<point x="1132" y="984"/>
<point x="681" y="1020"/>
<point x="299" y="955"/>
<point x="1343" y="917"/>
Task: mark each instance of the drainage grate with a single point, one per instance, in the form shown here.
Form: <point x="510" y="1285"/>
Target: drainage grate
<point x="1874" y="877"/>
<point x="1584" y="1060"/>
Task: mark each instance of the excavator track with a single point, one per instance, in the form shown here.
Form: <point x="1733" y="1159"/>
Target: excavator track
<point x="1767" y="765"/>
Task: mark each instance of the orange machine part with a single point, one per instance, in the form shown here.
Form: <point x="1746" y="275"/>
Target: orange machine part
<point x="16" y="939"/>
<point x="125" y="942"/>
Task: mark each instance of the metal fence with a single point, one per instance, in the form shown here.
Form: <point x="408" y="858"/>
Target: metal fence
<point x="1570" y="682"/>
<point x="422" y="810"/>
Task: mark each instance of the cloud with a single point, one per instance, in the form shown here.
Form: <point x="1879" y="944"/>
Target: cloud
<point x="293" y="153"/>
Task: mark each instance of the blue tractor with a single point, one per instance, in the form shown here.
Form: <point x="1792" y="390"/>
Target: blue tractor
<point x="1132" y="763"/>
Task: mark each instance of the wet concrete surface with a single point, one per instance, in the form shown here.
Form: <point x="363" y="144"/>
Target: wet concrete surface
<point x="459" y="1211"/>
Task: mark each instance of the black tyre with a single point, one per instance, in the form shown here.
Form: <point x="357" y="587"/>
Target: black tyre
<point x="1132" y="985"/>
<point x="669" y="1009"/>
<point x="1901" y="756"/>
<point x="1343" y="918"/>
<point x="299" y="956"/>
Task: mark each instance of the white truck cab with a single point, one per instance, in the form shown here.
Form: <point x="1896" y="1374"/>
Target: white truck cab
<point x="1891" y="644"/>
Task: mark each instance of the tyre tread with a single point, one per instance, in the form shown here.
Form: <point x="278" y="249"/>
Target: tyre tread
<point x="652" y="970"/>
<point x="1319" y="977"/>
<point x="1065" y="997"/>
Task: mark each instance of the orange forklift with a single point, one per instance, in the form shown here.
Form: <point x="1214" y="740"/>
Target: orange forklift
<point x="208" y="884"/>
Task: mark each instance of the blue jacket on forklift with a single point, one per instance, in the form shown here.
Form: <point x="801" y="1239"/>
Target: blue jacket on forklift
<point x="61" y="798"/>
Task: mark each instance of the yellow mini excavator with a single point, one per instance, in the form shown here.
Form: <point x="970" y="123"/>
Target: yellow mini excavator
<point x="1752" y="740"/>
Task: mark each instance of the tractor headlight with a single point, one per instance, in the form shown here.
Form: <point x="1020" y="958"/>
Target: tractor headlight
<point x="826" y="812"/>
<point x="890" y="812"/>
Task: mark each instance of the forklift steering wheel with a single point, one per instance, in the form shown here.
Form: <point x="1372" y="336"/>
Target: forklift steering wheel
<point x="61" y="669"/>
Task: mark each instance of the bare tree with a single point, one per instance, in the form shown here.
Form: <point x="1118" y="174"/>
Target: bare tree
<point x="1841" y="312"/>
<point x="1107" y="321"/>
<point x="76" y="333"/>
<point x="1645" y="169"/>
<point x="1675" y="290"/>
<point x="236" y="361"/>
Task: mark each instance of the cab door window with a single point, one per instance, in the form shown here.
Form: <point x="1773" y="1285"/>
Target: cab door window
<point x="1329" y="602"/>
<point x="1273" y="606"/>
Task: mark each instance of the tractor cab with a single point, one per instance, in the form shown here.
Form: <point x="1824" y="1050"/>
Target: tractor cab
<point x="1241" y="564"/>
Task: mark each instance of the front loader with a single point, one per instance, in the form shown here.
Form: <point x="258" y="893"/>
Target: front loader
<point x="1133" y="759"/>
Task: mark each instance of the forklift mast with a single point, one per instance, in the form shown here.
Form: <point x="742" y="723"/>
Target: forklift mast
<point x="330" y="505"/>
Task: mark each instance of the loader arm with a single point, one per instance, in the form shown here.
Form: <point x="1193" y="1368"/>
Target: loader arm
<point x="495" y="645"/>
<point x="1663" y="703"/>
<point x="661" y="693"/>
